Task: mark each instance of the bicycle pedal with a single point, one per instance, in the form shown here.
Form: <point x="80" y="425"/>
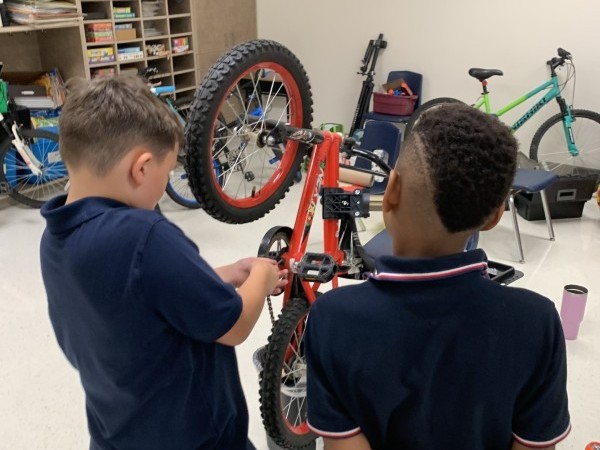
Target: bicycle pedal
<point x="319" y="267"/>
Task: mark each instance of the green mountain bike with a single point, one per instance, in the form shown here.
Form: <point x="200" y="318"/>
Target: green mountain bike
<point x="570" y="137"/>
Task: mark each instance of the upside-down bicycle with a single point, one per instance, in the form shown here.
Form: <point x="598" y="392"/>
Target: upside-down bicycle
<point x="247" y="132"/>
<point x="248" y="129"/>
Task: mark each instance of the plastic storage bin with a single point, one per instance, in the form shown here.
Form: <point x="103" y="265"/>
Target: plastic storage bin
<point x="395" y="105"/>
<point x="566" y="197"/>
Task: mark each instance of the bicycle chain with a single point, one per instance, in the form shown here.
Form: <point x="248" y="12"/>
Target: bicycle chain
<point x="271" y="314"/>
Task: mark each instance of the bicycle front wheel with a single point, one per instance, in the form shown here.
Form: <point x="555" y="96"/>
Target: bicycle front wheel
<point x="25" y="186"/>
<point x="234" y="178"/>
<point x="283" y="379"/>
<point x="178" y="188"/>
<point x="549" y="144"/>
<point x="431" y="104"/>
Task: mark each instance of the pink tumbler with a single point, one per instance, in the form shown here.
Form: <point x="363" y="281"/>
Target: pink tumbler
<point x="572" y="309"/>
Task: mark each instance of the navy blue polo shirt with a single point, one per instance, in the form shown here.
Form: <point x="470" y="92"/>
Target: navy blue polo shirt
<point x="431" y="354"/>
<point x="137" y="311"/>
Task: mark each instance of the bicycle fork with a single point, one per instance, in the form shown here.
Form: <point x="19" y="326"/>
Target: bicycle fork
<point x="567" y="119"/>
<point x="22" y="148"/>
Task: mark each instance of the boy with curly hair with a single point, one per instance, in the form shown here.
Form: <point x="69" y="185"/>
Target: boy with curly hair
<point x="148" y="324"/>
<point x="429" y="353"/>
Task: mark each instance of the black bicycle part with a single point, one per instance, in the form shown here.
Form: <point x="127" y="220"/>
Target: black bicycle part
<point x="231" y="90"/>
<point x="338" y="203"/>
<point x="283" y="379"/>
<point x="366" y="91"/>
<point x="357" y="262"/>
<point x="278" y="236"/>
<point x="316" y="267"/>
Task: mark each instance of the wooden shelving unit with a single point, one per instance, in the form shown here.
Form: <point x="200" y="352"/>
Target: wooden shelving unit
<point x="156" y="23"/>
<point x="210" y="26"/>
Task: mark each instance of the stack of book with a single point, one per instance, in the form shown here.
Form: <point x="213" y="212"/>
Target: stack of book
<point x="129" y="53"/>
<point x="181" y="45"/>
<point x="98" y="32"/>
<point x="100" y="55"/>
<point x="123" y="12"/>
<point x="39" y="12"/>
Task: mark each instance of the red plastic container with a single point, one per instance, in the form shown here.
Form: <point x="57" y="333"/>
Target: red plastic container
<point x="395" y="105"/>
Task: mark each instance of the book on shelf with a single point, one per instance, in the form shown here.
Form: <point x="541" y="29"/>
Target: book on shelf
<point x="130" y="56"/>
<point x="107" y="33"/>
<point x="128" y="50"/>
<point x="100" y="51"/>
<point x="123" y="26"/>
<point x="98" y="26"/>
<point x="180" y="45"/>
<point x="101" y="59"/>
<point x="122" y="9"/>
<point x="99" y="36"/>
<point x="124" y="15"/>
<point x="98" y="40"/>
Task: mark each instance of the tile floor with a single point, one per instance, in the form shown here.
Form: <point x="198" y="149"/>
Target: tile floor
<point x="41" y="401"/>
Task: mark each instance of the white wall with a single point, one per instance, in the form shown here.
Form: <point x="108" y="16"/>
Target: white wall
<point x="442" y="40"/>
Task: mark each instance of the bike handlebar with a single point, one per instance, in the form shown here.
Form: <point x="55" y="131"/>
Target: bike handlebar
<point x="277" y="133"/>
<point x="563" y="55"/>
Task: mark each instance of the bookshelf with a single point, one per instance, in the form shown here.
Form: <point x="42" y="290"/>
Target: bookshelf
<point x="35" y="49"/>
<point x="211" y="27"/>
<point x="129" y="35"/>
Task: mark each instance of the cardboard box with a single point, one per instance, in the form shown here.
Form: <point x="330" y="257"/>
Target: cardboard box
<point x="126" y="35"/>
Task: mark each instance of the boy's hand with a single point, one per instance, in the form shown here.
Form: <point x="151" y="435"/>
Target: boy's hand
<point x="238" y="272"/>
<point x="275" y="279"/>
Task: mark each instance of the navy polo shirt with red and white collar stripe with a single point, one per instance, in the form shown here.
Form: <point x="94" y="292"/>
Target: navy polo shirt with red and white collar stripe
<point x="431" y="354"/>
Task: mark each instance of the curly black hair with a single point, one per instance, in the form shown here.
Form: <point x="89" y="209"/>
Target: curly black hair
<point x="470" y="160"/>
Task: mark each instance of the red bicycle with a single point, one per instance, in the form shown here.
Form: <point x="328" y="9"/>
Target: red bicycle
<point x="248" y="130"/>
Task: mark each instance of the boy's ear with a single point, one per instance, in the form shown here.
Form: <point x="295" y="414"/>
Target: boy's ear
<point x="391" y="196"/>
<point x="139" y="166"/>
<point x="494" y="218"/>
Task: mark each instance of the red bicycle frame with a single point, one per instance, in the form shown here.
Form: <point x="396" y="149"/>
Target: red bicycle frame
<point x="323" y="171"/>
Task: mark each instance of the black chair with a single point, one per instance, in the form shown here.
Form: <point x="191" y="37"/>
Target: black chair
<point x="414" y="81"/>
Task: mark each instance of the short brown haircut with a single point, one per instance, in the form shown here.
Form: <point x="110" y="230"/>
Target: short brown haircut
<point x="104" y="119"/>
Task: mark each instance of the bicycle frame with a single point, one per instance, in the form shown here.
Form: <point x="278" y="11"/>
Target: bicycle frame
<point x="553" y="93"/>
<point x="323" y="171"/>
<point x="323" y="174"/>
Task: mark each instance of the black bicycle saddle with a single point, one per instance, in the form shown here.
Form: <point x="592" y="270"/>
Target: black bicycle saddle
<point x="484" y="74"/>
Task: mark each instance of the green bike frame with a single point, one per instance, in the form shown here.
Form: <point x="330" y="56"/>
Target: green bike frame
<point x="553" y="93"/>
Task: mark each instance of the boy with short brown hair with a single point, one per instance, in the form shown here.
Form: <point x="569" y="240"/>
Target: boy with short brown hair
<point x="149" y="325"/>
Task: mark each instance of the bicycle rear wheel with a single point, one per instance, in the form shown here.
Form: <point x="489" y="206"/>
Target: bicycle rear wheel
<point x="23" y="185"/>
<point x="178" y="188"/>
<point x="283" y="379"/>
<point x="549" y="144"/>
<point x="234" y="179"/>
<point x="431" y="104"/>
